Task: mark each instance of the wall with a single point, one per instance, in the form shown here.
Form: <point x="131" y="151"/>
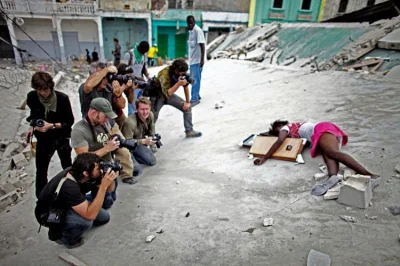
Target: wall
<point x="134" y="5"/>
<point x="332" y="7"/>
<point x="127" y="31"/>
<point x="41" y="31"/>
<point x="221" y="5"/>
<point x="290" y="11"/>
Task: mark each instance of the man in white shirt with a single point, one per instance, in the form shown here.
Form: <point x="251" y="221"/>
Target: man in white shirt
<point x="196" y="44"/>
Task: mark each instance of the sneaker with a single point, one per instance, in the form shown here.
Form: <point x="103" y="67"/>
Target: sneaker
<point x="193" y="134"/>
<point x="78" y="243"/>
<point x="129" y="180"/>
<point x="194" y="103"/>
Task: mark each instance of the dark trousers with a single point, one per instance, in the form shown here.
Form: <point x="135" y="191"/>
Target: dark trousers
<point x="45" y="149"/>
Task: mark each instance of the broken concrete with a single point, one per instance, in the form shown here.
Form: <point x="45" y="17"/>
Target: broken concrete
<point x="7" y="199"/>
<point x="268" y="222"/>
<point x="349" y="219"/>
<point x="390" y="41"/>
<point x="10" y="150"/>
<point x="19" y="160"/>
<point x="316" y="258"/>
<point x="347" y="173"/>
<point x="333" y="192"/>
<point x="397" y="168"/>
<point x="71" y="259"/>
<point x="356" y="191"/>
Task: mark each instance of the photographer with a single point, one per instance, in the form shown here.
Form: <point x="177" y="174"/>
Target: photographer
<point x="77" y="214"/>
<point x="136" y="59"/>
<point x="98" y="86"/>
<point x="169" y="80"/>
<point x="140" y="126"/>
<point x="92" y="133"/>
<point x="51" y="119"/>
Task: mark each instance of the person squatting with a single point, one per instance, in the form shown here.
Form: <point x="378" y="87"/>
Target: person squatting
<point x="108" y="143"/>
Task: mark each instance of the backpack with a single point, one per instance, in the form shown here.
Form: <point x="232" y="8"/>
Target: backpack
<point x="152" y="88"/>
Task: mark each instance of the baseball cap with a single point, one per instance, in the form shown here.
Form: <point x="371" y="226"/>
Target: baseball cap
<point x="102" y="105"/>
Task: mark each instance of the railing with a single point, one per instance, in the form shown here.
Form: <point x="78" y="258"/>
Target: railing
<point x="26" y="6"/>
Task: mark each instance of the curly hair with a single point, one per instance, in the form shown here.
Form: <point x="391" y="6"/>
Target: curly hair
<point x="275" y="124"/>
<point x="84" y="162"/>
<point x="42" y="81"/>
<point x="179" y="65"/>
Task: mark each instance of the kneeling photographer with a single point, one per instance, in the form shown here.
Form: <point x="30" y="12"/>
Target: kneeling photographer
<point x="62" y="206"/>
<point x="140" y="126"/>
<point x="162" y="91"/>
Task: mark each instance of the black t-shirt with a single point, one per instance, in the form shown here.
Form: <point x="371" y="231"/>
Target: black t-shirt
<point x="86" y="98"/>
<point x="71" y="193"/>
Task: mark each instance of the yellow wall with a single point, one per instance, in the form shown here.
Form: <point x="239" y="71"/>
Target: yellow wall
<point x="251" y="13"/>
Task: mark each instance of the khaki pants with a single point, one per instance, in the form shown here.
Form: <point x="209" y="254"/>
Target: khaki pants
<point x="123" y="155"/>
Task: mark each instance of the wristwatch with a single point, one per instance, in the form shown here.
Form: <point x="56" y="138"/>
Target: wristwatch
<point x="54" y="126"/>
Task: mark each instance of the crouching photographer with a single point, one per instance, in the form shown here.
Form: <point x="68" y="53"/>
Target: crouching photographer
<point x="140" y="126"/>
<point x="162" y="91"/>
<point x="62" y="206"/>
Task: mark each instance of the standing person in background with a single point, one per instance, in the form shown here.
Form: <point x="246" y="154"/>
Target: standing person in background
<point x="95" y="56"/>
<point x="196" y="58"/>
<point x="136" y="59"/>
<point x="88" y="59"/>
<point x="116" y="52"/>
<point x="152" y="54"/>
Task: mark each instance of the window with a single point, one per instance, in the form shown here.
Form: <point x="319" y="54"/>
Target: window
<point x="171" y="3"/>
<point x="306" y="5"/>
<point x="371" y="2"/>
<point x="277" y="4"/>
<point x="343" y="6"/>
<point x="189" y="4"/>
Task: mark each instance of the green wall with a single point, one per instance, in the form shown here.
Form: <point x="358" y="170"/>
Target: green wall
<point x="290" y="11"/>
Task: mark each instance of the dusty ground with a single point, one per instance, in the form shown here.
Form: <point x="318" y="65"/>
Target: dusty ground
<point x="226" y="194"/>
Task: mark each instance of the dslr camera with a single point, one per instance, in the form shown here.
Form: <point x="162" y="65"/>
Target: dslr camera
<point x="188" y="78"/>
<point x="37" y="123"/>
<point x="115" y="166"/>
<point x="130" y="144"/>
<point x="157" y="139"/>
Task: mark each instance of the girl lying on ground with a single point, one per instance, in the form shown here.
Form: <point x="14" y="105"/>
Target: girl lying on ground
<point x="326" y="139"/>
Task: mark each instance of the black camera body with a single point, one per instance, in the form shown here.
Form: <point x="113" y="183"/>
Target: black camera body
<point x="115" y="166"/>
<point x="188" y="78"/>
<point x="130" y="144"/>
<point x="157" y="140"/>
<point x="37" y="123"/>
<point x="123" y="79"/>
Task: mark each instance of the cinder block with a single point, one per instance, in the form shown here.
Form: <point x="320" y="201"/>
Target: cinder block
<point x="356" y="191"/>
<point x="19" y="160"/>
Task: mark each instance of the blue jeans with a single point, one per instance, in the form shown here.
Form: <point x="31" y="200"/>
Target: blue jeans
<point x="142" y="155"/>
<point x="108" y="199"/>
<point x="195" y="73"/>
<point x="75" y="225"/>
<point x="132" y="107"/>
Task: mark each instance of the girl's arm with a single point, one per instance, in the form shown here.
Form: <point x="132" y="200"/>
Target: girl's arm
<point x="281" y="138"/>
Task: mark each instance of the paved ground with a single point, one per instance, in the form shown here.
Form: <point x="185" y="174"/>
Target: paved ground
<point x="226" y="194"/>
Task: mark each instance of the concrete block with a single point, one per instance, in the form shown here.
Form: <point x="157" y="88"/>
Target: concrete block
<point x="18" y="184"/>
<point x="10" y="150"/>
<point x="7" y="188"/>
<point x="27" y="152"/>
<point x="268" y="222"/>
<point x="7" y="199"/>
<point x="333" y="192"/>
<point x="19" y="160"/>
<point x="319" y="176"/>
<point x="347" y="173"/>
<point x="390" y="41"/>
<point x="356" y="191"/>
<point x="316" y="258"/>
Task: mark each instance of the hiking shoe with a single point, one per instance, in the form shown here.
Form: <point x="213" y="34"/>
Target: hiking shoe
<point x="129" y="180"/>
<point x="193" y="134"/>
<point x="194" y="103"/>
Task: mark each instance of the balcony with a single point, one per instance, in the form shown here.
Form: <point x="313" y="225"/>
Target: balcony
<point x="48" y="7"/>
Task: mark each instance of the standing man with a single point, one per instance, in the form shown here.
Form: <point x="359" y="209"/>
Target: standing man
<point x="136" y="59"/>
<point x="116" y="52"/>
<point x="196" y="57"/>
<point x="152" y="54"/>
<point x="51" y="118"/>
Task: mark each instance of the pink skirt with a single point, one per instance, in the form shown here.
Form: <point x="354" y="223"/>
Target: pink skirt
<point x="326" y="127"/>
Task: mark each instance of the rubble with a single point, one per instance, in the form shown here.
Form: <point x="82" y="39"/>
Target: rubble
<point x="316" y="258"/>
<point x="397" y="168"/>
<point x="150" y="238"/>
<point x="319" y="176"/>
<point x="8" y="199"/>
<point x="395" y="210"/>
<point x="349" y="219"/>
<point x="10" y="150"/>
<point x="356" y="191"/>
<point x="19" y="160"/>
<point x="333" y="192"/>
<point x="268" y="222"/>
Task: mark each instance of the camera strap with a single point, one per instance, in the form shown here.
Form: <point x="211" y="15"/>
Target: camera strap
<point x="60" y="185"/>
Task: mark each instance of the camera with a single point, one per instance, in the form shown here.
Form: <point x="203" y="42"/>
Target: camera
<point x="188" y="78"/>
<point x="37" y="123"/>
<point x="130" y="144"/>
<point x="123" y="79"/>
<point x="157" y="140"/>
<point x="115" y="166"/>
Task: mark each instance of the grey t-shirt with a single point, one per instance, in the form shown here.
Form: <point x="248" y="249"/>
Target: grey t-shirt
<point x="82" y="136"/>
<point x="86" y="98"/>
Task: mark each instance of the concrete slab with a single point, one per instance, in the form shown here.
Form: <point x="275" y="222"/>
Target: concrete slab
<point x="394" y="73"/>
<point x="356" y="191"/>
<point x="390" y="41"/>
<point x="316" y="258"/>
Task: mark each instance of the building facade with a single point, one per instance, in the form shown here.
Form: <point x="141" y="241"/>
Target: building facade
<point x="265" y="11"/>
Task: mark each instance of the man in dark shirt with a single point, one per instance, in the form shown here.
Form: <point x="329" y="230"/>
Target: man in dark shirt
<point x="84" y="176"/>
<point x="54" y="108"/>
<point x="117" y="52"/>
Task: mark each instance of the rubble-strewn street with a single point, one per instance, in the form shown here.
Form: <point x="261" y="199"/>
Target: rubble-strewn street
<point x="205" y="202"/>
